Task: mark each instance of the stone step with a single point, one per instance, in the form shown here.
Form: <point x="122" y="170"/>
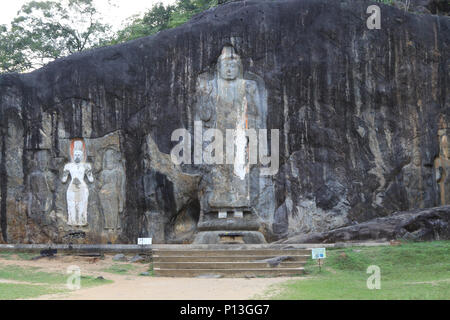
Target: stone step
<point x="228" y="262"/>
<point x="272" y="272"/>
<point x="232" y="258"/>
<point x="244" y="252"/>
<point x="225" y="265"/>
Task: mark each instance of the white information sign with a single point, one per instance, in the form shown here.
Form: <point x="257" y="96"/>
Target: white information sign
<point x="238" y="214"/>
<point x="222" y="214"/>
<point x="144" y="241"/>
<point x="318" y="253"/>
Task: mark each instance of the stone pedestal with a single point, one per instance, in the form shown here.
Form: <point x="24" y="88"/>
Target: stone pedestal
<point x="228" y="226"/>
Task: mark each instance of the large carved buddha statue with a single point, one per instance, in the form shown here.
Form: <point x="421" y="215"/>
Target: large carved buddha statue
<point x="228" y="102"/>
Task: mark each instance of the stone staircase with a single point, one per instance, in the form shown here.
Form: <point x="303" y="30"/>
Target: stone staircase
<point x="229" y="262"/>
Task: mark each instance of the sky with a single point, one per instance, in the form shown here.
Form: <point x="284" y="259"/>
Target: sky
<point x="114" y="12"/>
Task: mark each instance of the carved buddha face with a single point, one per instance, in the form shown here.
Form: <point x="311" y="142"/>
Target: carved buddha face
<point x="229" y="64"/>
<point x="229" y="69"/>
<point x="78" y="151"/>
<point x="109" y="160"/>
<point x="42" y="161"/>
<point x="78" y="156"/>
<point x="417" y="158"/>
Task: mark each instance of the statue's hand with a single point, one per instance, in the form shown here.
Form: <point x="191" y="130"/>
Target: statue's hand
<point x="439" y="174"/>
<point x="205" y="113"/>
<point x="65" y="176"/>
<point x="76" y="182"/>
<point x="89" y="175"/>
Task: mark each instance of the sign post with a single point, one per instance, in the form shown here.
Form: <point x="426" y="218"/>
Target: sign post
<point x="144" y="241"/>
<point x="318" y="254"/>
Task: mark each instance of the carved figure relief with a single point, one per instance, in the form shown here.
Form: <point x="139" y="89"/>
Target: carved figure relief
<point x="112" y="189"/>
<point x="228" y="101"/>
<point x="40" y="185"/>
<point x="442" y="166"/>
<point x="413" y="181"/>
<point x="78" y="191"/>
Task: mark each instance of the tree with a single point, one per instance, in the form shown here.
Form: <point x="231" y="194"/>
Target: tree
<point x="161" y="17"/>
<point x="186" y="9"/>
<point x="153" y="21"/>
<point x="12" y="58"/>
<point x="48" y="30"/>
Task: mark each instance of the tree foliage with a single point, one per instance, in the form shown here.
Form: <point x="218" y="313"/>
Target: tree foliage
<point x="12" y="58"/>
<point x="47" y="30"/>
<point x="153" y="21"/>
<point x="162" y="17"/>
<point x="185" y="9"/>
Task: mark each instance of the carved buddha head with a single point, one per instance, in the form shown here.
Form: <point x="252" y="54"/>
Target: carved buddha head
<point x="78" y="151"/>
<point x="229" y="64"/>
<point x="41" y="160"/>
<point x="417" y="158"/>
<point x="109" y="159"/>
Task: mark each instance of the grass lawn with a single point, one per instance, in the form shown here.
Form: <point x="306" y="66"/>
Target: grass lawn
<point x="410" y="271"/>
<point x="31" y="282"/>
<point x="12" y="291"/>
<point x="17" y="255"/>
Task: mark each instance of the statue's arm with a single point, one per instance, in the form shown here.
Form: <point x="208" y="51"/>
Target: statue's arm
<point x="203" y="105"/>
<point x="89" y="174"/>
<point x="252" y="96"/>
<point x="122" y="190"/>
<point x="439" y="174"/>
<point x="50" y="182"/>
<point x="253" y="100"/>
<point x="65" y="175"/>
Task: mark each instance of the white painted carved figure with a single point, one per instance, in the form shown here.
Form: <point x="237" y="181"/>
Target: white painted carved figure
<point x="78" y="192"/>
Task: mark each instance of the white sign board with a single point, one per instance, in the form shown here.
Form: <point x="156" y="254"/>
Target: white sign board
<point x="222" y="214"/>
<point x="238" y="214"/>
<point x="144" y="241"/>
<point x="318" y="253"/>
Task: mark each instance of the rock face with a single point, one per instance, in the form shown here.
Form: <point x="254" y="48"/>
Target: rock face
<point x="428" y="224"/>
<point x="363" y="119"/>
<point x="424" y="6"/>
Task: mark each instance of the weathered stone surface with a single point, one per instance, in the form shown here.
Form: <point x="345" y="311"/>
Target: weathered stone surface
<point x="427" y="6"/>
<point x="120" y="257"/>
<point x="217" y="237"/>
<point x="362" y="116"/>
<point x="137" y="258"/>
<point x="441" y="7"/>
<point x="426" y="224"/>
<point x="275" y="261"/>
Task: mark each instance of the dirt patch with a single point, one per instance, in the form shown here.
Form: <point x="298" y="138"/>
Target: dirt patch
<point x="136" y="287"/>
<point x="156" y="288"/>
